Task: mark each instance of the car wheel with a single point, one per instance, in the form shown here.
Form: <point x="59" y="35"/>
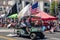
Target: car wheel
<point x="18" y="34"/>
<point x="42" y="36"/>
<point x="33" y="36"/>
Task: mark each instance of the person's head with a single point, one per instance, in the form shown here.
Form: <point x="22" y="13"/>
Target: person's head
<point x="36" y="21"/>
<point x="51" y="20"/>
<point x="22" y="20"/>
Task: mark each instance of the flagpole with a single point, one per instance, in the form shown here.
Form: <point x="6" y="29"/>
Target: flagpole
<point x="41" y="4"/>
<point x="50" y="5"/>
<point x="33" y="1"/>
<point x="16" y="5"/>
<point x="23" y="3"/>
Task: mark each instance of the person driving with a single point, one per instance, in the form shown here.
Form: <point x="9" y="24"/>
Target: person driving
<point x="22" y="24"/>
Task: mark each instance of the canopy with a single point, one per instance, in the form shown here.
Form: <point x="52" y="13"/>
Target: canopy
<point x="45" y="16"/>
<point x="13" y="16"/>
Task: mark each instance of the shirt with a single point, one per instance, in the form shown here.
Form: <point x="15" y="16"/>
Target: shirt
<point x="22" y="24"/>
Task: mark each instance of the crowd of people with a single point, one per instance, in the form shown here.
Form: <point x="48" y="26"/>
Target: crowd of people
<point x="50" y="25"/>
<point x="4" y="22"/>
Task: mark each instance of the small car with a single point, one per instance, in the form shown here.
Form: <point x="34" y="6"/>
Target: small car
<point x="33" y="32"/>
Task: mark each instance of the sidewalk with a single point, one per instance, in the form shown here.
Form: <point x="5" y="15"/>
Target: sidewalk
<point x="7" y="30"/>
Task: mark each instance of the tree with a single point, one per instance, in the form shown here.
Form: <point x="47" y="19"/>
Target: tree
<point x="54" y="8"/>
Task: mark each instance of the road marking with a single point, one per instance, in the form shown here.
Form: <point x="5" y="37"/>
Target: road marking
<point x="7" y="38"/>
<point x="11" y="35"/>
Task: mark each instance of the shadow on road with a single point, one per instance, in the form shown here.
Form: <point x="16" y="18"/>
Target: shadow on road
<point x="27" y="37"/>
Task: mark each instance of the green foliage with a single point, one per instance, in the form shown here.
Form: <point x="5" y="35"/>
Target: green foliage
<point x="54" y="8"/>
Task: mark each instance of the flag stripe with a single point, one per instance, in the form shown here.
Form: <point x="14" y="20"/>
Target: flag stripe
<point x="34" y="8"/>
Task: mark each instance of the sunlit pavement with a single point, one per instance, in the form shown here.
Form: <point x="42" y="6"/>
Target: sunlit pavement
<point x="6" y="38"/>
<point x="2" y="39"/>
<point x="4" y="32"/>
<point x="53" y="36"/>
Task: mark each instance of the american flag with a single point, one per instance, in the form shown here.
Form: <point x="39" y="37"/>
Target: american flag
<point x="34" y="8"/>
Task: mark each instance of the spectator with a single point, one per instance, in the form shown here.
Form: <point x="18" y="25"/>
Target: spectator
<point x="13" y="24"/>
<point x="9" y="25"/>
<point x="59" y="25"/>
<point x="32" y="23"/>
<point x="43" y="28"/>
<point x="36" y="24"/>
<point x="52" y="26"/>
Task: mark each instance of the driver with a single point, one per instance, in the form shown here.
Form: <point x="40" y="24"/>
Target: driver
<point x="22" y="24"/>
<point x="27" y="25"/>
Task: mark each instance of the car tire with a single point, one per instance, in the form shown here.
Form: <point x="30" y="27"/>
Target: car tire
<point x="18" y="34"/>
<point x="42" y="36"/>
<point x="33" y="36"/>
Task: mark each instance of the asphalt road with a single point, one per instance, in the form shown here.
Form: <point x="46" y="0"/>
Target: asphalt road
<point x="3" y="36"/>
<point x="55" y="36"/>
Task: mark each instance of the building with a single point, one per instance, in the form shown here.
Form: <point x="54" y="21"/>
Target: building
<point x="6" y="6"/>
<point x="14" y="6"/>
<point x="44" y="5"/>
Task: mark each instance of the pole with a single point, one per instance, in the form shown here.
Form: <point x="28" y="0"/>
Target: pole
<point x="17" y="5"/>
<point x="15" y="26"/>
<point x="23" y="3"/>
<point x="33" y="1"/>
<point x="41" y="4"/>
<point x="55" y="7"/>
<point x="50" y="5"/>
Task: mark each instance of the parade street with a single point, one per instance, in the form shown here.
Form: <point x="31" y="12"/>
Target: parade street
<point x="48" y="36"/>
